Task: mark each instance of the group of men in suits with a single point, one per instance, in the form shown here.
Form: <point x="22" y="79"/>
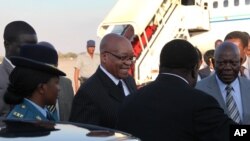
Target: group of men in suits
<point x="167" y="108"/>
<point x="170" y="108"/>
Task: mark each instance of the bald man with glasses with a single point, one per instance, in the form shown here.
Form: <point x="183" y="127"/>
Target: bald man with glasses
<point x="99" y="98"/>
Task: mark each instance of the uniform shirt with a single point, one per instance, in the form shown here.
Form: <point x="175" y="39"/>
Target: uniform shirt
<point x="28" y="110"/>
<point x="86" y="64"/>
<point x="40" y="109"/>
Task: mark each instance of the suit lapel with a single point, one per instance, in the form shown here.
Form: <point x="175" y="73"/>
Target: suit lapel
<point x="131" y="87"/>
<point x="113" y="89"/>
<point x="214" y="90"/>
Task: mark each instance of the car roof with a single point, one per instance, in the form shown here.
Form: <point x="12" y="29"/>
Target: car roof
<point x="23" y="130"/>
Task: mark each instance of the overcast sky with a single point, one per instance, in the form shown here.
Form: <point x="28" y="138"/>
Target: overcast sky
<point x="67" y="24"/>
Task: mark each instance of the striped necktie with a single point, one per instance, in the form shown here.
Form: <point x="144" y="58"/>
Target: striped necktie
<point x="231" y="105"/>
<point x="49" y="116"/>
<point x="53" y="110"/>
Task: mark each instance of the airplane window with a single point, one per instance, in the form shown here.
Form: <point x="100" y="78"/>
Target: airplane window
<point x="236" y="2"/>
<point x="247" y="2"/>
<point x="215" y="4"/>
<point x="225" y="3"/>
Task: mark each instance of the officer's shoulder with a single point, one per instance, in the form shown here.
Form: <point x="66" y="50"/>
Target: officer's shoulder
<point x="19" y="111"/>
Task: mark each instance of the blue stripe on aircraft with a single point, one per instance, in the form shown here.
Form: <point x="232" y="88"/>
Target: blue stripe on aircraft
<point x="228" y="20"/>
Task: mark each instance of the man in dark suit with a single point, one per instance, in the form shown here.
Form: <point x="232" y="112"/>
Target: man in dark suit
<point x="227" y="67"/>
<point x="16" y="33"/>
<point x="98" y="99"/>
<point x="169" y="108"/>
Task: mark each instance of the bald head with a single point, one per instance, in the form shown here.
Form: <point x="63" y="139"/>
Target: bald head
<point x="110" y="41"/>
<point x="226" y="47"/>
<point x="227" y="62"/>
<point x="116" y="55"/>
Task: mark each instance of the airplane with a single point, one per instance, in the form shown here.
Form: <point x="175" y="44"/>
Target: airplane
<point x="153" y="23"/>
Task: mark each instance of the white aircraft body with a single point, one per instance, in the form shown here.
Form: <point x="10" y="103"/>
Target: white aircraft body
<point x="156" y="22"/>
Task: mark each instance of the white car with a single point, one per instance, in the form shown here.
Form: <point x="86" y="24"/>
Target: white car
<point x="20" y="130"/>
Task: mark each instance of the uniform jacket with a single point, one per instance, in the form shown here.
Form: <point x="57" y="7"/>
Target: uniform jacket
<point x="25" y="110"/>
<point x="5" y="70"/>
<point x="210" y="86"/>
<point x="169" y="109"/>
<point x="98" y="100"/>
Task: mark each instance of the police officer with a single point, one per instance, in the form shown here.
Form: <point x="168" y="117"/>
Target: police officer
<point x="34" y="83"/>
<point x="86" y="64"/>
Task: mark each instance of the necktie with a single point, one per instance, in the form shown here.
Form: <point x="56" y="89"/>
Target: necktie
<point x="121" y="87"/>
<point x="51" y="108"/>
<point x="231" y="105"/>
<point x="53" y="111"/>
<point x="49" y="116"/>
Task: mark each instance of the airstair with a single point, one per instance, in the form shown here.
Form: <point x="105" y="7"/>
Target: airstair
<point x="154" y="24"/>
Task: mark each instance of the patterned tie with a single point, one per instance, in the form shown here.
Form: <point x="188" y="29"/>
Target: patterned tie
<point x="231" y="105"/>
<point x="53" y="111"/>
<point x="49" y="116"/>
<point x="51" y="108"/>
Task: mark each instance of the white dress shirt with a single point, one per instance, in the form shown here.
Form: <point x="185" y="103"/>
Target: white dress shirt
<point x="116" y="81"/>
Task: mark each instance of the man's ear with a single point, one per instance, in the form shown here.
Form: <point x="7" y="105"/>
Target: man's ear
<point x="6" y="45"/>
<point x="194" y="71"/>
<point x="103" y="57"/>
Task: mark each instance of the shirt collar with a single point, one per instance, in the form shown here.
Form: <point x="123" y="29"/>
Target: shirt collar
<point x="112" y="77"/>
<point x="9" y="62"/>
<point x="223" y="85"/>
<point x="39" y="108"/>
<point x="177" y="76"/>
<point x="245" y="64"/>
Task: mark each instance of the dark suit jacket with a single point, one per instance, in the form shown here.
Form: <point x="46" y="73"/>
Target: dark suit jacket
<point x="169" y="109"/>
<point x="98" y="99"/>
<point x="65" y="98"/>
<point x="5" y="70"/>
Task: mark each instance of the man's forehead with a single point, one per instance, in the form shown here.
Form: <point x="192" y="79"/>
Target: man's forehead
<point x="236" y="41"/>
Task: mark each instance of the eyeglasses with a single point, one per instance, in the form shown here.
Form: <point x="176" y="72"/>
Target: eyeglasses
<point x="123" y="58"/>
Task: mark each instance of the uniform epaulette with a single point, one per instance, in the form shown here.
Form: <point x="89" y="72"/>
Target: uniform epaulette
<point x="19" y="111"/>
